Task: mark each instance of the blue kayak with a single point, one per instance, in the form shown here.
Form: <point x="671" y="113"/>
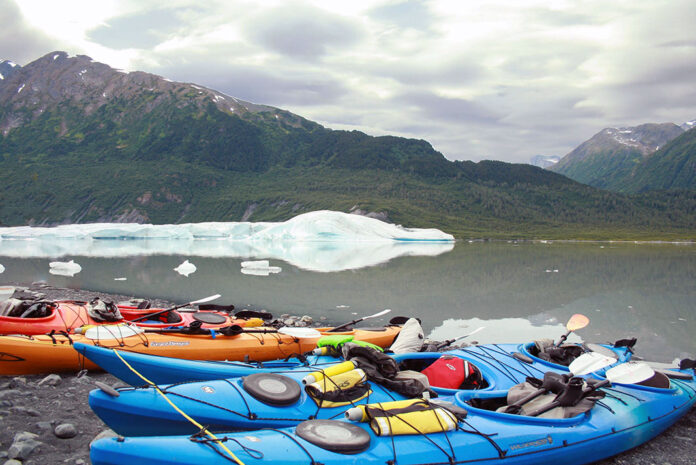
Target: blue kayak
<point x="165" y="370"/>
<point x="625" y="417"/>
<point x="233" y="403"/>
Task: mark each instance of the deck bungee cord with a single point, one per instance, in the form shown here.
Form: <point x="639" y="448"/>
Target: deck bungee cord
<point x="184" y="414"/>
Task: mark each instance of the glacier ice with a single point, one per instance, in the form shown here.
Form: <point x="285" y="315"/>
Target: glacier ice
<point x="322" y="241"/>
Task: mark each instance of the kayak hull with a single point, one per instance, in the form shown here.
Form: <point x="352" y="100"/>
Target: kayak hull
<point x="223" y="404"/>
<point x="51" y="354"/>
<point x="167" y="370"/>
<point x="627" y="418"/>
<point x="69" y="315"/>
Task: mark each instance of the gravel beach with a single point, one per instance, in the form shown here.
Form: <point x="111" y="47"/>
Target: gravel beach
<point x="45" y="419"/>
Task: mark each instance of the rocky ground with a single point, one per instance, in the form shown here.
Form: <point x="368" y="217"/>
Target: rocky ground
<point x="45" y="419"/>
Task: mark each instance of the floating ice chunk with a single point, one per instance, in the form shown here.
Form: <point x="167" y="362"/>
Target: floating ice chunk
<point x="255" y="264"/>
<point x="120" y="279"/>
<point x="261" y="271"/>
<point x="64" y="268"/>
<point x="2" y="268"/>
<point x="186" y="268"/>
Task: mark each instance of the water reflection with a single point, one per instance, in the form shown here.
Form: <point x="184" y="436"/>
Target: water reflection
<point x="644" y="290"/>
<point x="311" y="255"/>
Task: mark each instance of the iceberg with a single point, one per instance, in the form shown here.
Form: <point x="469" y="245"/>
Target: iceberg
<point x="322" y="226"/>
<point x="323" y="241"/>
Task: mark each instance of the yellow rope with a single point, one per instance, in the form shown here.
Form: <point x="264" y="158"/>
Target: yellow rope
<point x="198" y="425"/>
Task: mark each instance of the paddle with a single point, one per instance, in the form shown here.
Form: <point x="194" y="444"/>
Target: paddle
<point x="6" y="292"/>
<point x="345" y="325"/>
<point x="584" y="364"/>
<point x="199" y="301"/>
<point x="577" y="321"/>
<point x="448" y="342"/>
<point x="234" y="330"/>
<point x="626" y="373"/>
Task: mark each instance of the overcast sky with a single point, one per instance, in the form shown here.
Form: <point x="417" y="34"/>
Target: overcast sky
<point x="502" y="80"/>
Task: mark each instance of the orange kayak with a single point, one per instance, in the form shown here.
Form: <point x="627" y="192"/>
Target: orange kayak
<point x="51" y="354"/>
<point x="70" y="315"/>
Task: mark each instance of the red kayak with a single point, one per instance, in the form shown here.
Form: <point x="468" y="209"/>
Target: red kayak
<point x="69" y="315"/>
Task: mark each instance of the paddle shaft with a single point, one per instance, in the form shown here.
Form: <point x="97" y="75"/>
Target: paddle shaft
<point x="150" y="315"/>
<point x="345" y="325"/>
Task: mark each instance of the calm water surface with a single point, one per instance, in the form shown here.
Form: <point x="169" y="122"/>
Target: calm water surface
<point x="517" y="291"/>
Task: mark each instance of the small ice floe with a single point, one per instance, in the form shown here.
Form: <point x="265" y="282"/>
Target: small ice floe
<point x="64" y="268"/>
<point x="2" y="268"/>
<point x="261" y="271"/>
<point x="342" y="306"/>
<point x="256" y="264"/>
<point x="186" y="268"/>
<point x="259" y="268"/>
<point x="120" y="279"/>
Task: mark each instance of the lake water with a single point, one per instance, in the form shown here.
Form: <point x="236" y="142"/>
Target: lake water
<point x="518" y="291"/>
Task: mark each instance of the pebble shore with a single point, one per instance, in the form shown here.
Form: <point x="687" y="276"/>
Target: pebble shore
<point x="45" y="419"/>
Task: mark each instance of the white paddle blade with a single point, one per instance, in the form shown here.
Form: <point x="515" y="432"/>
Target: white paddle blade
<point x="206" y="299"/>
<point x="630" y="373"/>
<point x="111" y="332"/>
<point x="6" y="292"/>
<point x="589" y="362"/>
<point x="299" y="332"/>
<point x="383" y="312"/>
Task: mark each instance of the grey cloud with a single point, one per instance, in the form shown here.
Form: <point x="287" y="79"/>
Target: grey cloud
<point x="446" y="108"/>
<point x="144" y="30"/>
<point x="270" y="86"/>
<point x="406" y="14"/>
<point x="302" y="32"/>
<point x="19" y="42"/>
<point x="456" y="71"/>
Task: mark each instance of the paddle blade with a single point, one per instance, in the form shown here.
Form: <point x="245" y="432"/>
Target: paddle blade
<point x="6" y="292"/>
<point x="630" y="373"/>
<point x="589" y="362"/>
<point x="206" y="299"/>
<point x="299" y="332"/>
<point x="577" y="321"/>
<point x="383" y="312"/>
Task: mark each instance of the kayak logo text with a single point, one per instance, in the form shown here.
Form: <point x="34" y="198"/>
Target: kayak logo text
<point x="169" y="343"/>
<point x="537" y="443"/>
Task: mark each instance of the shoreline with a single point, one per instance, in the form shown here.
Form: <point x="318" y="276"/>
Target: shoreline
<point x="39" y="404"/>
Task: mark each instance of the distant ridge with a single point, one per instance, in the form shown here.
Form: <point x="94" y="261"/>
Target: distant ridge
<point x="83" y="142"/>
<point x="611" y="155"/>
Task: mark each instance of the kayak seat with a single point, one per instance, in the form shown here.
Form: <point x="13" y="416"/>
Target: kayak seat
<point x="272" y="389"/>
<point x="335" y="436"/>
<point x="545" y="349"/>
<point x="22" y="309"/>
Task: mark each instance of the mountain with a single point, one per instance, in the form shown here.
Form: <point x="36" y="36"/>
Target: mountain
<point x="671" y="167"/>
<point x="612" y="154"/>
<point x="83" y="142"/>
<point x="7" y="68"/>
<point x="544" y="161"/>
